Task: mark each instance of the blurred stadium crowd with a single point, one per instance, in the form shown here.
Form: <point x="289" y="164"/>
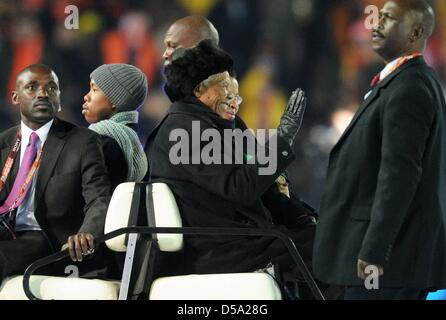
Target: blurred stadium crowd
<point x="321" y="46"/>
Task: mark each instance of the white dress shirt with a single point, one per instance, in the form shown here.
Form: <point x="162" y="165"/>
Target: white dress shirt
<point x="25" y="212"/>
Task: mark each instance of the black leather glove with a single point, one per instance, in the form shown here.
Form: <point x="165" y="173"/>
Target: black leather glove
<point x="292" y="117"/>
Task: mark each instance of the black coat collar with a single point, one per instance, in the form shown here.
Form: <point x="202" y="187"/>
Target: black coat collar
<point x="53" y="147"/>
<point x="193" y="106"/>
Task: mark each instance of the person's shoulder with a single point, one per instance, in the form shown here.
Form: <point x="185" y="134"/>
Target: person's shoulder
<point x="419" y="70"/>
<point x="190" y="122"/>
<point x="8" y="132"/>
<point x="73" y="131"/>
<point x="110" y="144"/>
<point x="111" y="149"/>
<point x="184" y="119"/>
<point x="189" y="113"/>
<point x="7" y="136"/>
<point x="415" y="78"/>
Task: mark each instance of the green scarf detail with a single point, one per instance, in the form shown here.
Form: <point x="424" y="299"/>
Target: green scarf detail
<point x="116" y="128"/>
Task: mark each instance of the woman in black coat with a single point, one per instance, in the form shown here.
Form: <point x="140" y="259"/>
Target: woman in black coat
<point x="210" y="191"/>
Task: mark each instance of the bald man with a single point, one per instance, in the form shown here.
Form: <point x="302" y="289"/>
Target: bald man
<point x="54" y="189"/>
<point x="381" y="229"/>
<point x="187" y="32"/>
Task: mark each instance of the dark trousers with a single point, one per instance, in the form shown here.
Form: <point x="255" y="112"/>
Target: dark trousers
<point x="17" y="255"/>
<point x="361" y="293"/>
<point x="289" y="277"/>
<point x="303" y="238"/>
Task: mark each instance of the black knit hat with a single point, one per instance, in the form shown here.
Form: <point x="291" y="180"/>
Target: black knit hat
<point x="189" y="67"/>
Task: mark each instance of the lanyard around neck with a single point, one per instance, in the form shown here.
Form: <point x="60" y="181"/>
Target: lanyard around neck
<point x="10" y="163"/>
<point x="10" y="160"/>
<point x="399" y="63"/>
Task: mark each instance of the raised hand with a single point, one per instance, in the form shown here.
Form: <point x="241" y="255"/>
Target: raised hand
<point x="292" y="117"/>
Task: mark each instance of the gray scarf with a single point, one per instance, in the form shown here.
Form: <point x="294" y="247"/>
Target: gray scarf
<point x="116" y="128"/>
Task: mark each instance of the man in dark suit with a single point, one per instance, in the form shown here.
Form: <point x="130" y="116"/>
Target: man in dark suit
<point x="381" y="229"/>
<point x="64" y="197"/>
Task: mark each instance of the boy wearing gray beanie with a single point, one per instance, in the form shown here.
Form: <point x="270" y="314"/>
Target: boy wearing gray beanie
<point x="116" y="93"/>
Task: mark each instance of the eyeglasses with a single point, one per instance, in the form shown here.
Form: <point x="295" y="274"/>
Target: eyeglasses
<point x="238" y="100"/>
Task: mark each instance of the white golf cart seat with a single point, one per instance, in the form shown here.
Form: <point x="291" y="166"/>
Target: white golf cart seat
<point x="125" y="206"/>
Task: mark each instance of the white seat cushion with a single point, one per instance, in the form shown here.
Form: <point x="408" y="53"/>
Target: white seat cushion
<point x="166" y="215"/>
<point x="234" y="286"/>
<point x="59" y="288"/>
<point x="12" y="287"/>
<point x="55" y="288"/>
<point x="118" y="214"/>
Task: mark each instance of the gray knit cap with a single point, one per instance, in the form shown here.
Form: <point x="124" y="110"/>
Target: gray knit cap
<point x="124" y="85"/>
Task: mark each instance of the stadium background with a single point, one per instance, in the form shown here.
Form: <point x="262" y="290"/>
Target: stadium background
<point x="318" y="45"/>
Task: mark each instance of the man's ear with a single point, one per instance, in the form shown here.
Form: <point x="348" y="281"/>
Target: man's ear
<point x="14" y="98"/>
<point x="115" y="110"/>
<point x="417" y="33"/>
<point x="197" y="92"/>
